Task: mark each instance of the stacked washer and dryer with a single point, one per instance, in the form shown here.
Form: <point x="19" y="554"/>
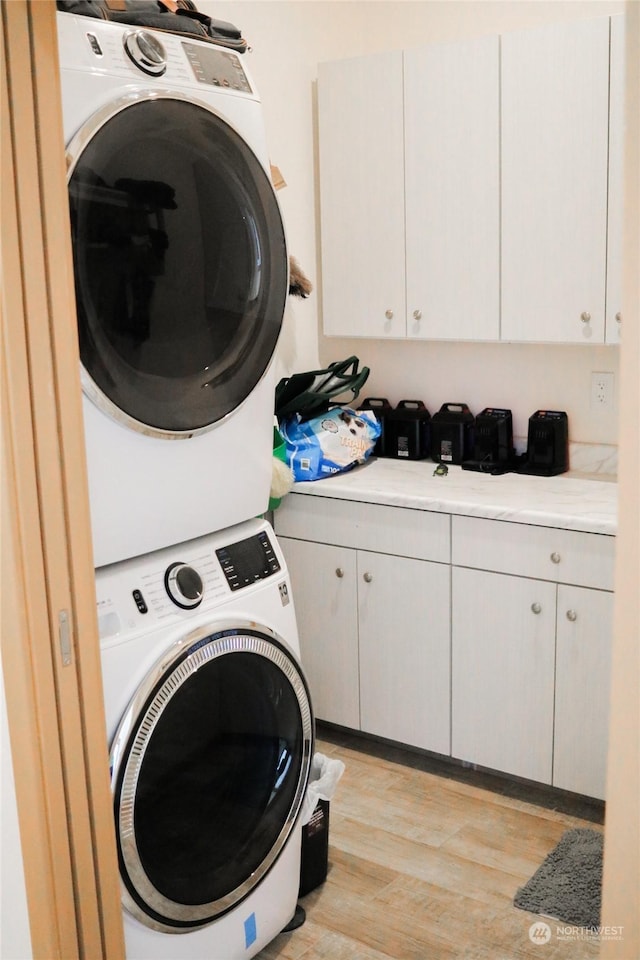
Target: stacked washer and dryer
<point x="181" y="278"/>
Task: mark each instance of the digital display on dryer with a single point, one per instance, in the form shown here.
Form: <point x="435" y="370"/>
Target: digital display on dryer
<point x="216" y="67"/>
<point x="248" y="561"/>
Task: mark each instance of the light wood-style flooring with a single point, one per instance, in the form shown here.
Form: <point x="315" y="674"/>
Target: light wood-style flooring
<point x="424" y="866"/>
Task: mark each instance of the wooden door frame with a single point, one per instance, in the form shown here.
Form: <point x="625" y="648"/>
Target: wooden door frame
<point x="50" y="646"/>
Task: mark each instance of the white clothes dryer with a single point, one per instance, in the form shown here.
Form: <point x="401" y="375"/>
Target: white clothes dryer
<point x="211" y="733"/>
<point x="181" y="277"/>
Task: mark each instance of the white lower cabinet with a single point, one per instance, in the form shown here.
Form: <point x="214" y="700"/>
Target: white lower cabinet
<point x="482" y="639"/>
<point x="583" y="671"/>
<point x="403" y="618"/>
<point x="324" y="585"/>
<point x="530" y="653"/>
<point x="374" y="640"/>
<point x="503" y="643"/>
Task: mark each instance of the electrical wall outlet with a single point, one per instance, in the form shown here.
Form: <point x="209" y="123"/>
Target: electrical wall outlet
<point x="602" y="386"/>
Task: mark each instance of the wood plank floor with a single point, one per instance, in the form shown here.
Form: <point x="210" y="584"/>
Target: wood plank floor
<point x="424" y="866"/>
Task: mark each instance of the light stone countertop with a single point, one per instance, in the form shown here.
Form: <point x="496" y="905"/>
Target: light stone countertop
<point x="566" y="501"/>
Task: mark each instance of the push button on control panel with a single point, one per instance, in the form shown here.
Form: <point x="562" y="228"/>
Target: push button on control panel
<point x="140" y="601"/>
<point x="93" y="43"/>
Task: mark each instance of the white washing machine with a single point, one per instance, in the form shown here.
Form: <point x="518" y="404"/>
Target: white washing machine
<point x="211" y="733"/>
<point x="181" y="277"/>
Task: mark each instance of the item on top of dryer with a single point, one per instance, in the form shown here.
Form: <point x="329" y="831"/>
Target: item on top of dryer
<point x="381" y="407"/>
<point x="493" y="447"/>
<point x="547" y="444"/>
<point x="452" y="433"/>
<point x="174" y="16"/>
<point x="314" y="391"/>
<point x="299" y="285"/>
<point x="329" y="443"/>
<point x="407" y="429"/>
<point x="323" y="780"/>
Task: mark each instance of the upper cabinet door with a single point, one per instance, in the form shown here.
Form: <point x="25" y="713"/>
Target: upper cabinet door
<point x="616" y="153"/>
<point x="452" y="173"/>
<point x="554" y="182"/>
<point x="361" y="149"/>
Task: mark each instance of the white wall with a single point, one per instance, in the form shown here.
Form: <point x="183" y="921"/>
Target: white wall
<point x="289" y="38"/>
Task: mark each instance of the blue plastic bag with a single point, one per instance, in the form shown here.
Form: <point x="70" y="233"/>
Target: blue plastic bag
<point x="329" y="443"/>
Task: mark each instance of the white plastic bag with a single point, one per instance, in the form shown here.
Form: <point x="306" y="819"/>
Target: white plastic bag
<point x="323" y="780"/>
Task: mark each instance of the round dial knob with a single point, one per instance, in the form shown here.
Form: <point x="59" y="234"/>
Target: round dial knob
<point x="184" y="585"/>
<point x="146" y="52"/>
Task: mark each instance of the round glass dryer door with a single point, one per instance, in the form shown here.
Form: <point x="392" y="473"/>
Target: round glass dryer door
<point x="180" y="264"/>
<point x="209" y="769"/>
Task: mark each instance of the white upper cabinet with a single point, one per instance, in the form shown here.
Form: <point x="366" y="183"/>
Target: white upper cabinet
<point x="473" y="190"/>
<point x="452" y="175"/>
<point x="362" y="196"/>
<point x="555" y="107"/>
<point x="613" y="321"/>
<point x="422" y="143"/>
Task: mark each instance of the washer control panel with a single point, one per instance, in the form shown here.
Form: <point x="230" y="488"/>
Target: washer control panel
<point x="248" y="560"/>
<point x="179" y="582"/>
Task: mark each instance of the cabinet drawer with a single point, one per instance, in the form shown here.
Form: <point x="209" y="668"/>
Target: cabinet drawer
<point x="366" y="526"/>
<point x="566" y="556"/>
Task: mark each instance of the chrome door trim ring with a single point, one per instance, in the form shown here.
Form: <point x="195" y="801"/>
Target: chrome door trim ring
<point x="139" y="722"/>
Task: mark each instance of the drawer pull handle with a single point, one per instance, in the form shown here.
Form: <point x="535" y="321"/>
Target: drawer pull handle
<point x="389" y="314"/>
<point x="585" y="316"/>
<point x="339" y="573"/>
<point x="536" y="608"/>
<point x="555" y="558"/>
<point x="367" y="577"/>
<point x="572" y="615"/>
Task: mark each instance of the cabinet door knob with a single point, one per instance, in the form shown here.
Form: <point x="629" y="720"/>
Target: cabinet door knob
<point x="417" y="314"/>
<point x="555" y="557"/>
<point x="536" y="608"/>
<point x="389" y="314"/>
<point x="618" y="318"/>
<point x="572" y="615"/>
<point x="339" y="573"/>
<point x="367" y="577"/>
<point x="585" y="316"/>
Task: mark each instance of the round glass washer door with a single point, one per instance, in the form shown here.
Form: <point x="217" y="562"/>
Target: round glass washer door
<point x="180" y="264"/>
<point x="209" y="766"/>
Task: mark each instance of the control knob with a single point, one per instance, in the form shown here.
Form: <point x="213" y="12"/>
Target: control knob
<point x="146" y="52"/>
<point x="184" y="585"/>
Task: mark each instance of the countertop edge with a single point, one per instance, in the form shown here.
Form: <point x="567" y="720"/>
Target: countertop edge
<point x="552" y="508"/>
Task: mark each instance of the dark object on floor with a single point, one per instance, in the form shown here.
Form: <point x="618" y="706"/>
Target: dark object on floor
<point x="315" y="849"/>
<point x="568" y="885"/>
<point x="299" y="285"/>
<point x="296" y="921"/>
